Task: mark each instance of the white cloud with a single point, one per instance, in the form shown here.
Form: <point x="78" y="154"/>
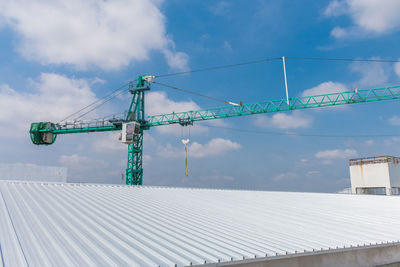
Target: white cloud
<point x="216" y="177"/>
<point x="177" y="60"/>
<point x="395" y="120"/>
<point x="286" y="176"/>
<point x="53" y="97"/>
<point x="87" y="33"/>
<point x="158" y="103"/>
<point x="391" y="141"/>
<point x="371" y="74"/>
<point x="325" y="88"/>
<point x="369" y="142"/>
<point x="221" y="8"/>
<point x="228" y="178"/>
<point x="368" y="16"/>
<point x="397" y="68"/>
<point x="313" y="173"/>
<point x="170" y="151"/>
<point x="338" y="32"/>
<point x="284" y="121"/>
<point x="336" y="154"/>
<point x="77" y="162"/>
<point x="185" y="131"/>
<point x="147" y="159"/>
<point x="336" y="8"/>
<point x="214" y="147"/>
<point x="108" y="142"/>
<point x="204" y="37"/>
<point x="227" y="46"/>
<point x="148" y="139"/>
<point x="326" y="162"/>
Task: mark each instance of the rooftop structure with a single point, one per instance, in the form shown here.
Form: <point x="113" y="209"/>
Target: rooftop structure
<point x="32" y="172"/>
<point x="43" y="224"/>
<point x="375" y="175"/>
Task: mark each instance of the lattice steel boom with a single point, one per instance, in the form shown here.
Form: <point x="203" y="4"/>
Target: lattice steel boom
<point x="44" y="133"/>
<point x="305" y="102"/>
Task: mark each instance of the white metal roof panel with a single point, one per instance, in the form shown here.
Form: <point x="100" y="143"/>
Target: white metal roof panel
<point x="72" y="224"/>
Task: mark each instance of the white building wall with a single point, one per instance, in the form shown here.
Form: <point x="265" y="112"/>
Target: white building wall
<point x="32" y="172"/>
<point x="394" y="172"/>
<point x="369" y="175"/>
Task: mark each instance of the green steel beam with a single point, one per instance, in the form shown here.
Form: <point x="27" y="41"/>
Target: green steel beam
<point x="296" y="103"/>
<point x="86" y="129"/>
<point x="134" y="168"/>
<point x="188" y="117"/>
<point x="44" y="133"/>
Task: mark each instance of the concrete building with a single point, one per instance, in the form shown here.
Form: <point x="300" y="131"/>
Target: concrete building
<point x="375" y="175"/>
<point x="59" y="224"/>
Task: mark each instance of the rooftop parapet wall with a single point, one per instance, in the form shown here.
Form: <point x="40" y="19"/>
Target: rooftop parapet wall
<point x="32" y="172"/>
<point x="374" y="160"/>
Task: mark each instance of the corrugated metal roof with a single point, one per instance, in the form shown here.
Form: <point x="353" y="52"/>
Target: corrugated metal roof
<point x="72" y="224"/>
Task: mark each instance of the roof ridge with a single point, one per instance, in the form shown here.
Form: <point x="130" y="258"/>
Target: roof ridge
<point x="158" y="186"/>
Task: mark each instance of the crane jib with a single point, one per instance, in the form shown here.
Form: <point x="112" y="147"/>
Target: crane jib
<point x="45" y="133"/>
<point x="188" y="117"/>
<point x="304" y="102"/>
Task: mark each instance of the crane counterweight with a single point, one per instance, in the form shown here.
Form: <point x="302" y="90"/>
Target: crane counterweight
<point x="41" y="137"/>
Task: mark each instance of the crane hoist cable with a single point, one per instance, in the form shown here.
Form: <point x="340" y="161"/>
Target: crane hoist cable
<point x="185" y="141"/>
<point x="97" y="101"/>
<point x="224" y="67"/>
<point x="220" y="67"/>
<point x="303" y="134"/>
<point x="196" y="93"/>
<point x="100" y="104"/>
<point x="345" y="59"/>
<point x="274" y="59"/>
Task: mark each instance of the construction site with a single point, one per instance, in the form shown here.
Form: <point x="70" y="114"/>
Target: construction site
<point x="297" y="164"/>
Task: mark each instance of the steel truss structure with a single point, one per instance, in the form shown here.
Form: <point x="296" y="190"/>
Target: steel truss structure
<point x="136" y="112"/>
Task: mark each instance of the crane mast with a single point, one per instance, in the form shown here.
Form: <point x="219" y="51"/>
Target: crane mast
<point x="134" y="168"/>
<point x="135" y="122"/>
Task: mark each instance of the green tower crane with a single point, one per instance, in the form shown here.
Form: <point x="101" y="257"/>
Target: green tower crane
<point x="135" y="123"/>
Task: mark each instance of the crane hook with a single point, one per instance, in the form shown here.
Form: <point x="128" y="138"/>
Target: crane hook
<point x="186" y="142"/>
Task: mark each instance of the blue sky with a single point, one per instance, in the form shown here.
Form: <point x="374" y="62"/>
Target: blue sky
<point x="57" y="57"/>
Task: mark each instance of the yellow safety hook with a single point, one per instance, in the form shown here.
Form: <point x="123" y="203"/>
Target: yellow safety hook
<point x="185" y="142"/>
